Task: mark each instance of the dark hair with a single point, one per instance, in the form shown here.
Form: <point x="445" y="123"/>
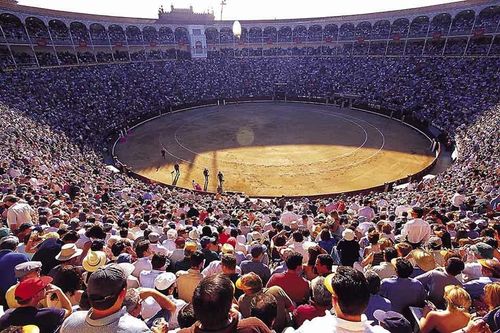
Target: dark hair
<point x="298" y="237"/>
<point x="404" y="268"/>
<point x="373" y="238"/>
<point x="326" y="260"/>
<point x="69" y="280"/>
<point x="390" y="253"/>
<point x="228" y="261"/>
<point x="141" y="248"/>
<point x="158" y="261"/>
<point x="197" y="258"/>
<point x="264" y="307"/>
<point x="95" y="232"/>
<point x="325" y="235"/>
<point x="294" y="260"/>
<point x="70" y="237"/>
<point x="97" y="245"/>
<point x="123" y="232"/>
<point x="454" y="266"/>
<point x="491" y="242"/>
<point x="118" y="247"/>
<point x="212" y="300"/>
<point x="351" y="290"/>
<point x="186" y="317"/>
<point x="373" y="282"/>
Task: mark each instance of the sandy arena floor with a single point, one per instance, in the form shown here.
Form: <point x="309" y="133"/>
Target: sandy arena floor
<point x="271" y="149"/>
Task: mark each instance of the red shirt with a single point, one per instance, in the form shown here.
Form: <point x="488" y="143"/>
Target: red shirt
<point x="296" y="287"/>
<point x="307" y="312"/>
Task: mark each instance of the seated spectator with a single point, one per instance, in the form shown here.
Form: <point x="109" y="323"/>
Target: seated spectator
<point x="188" y="280"/>
<point x="403" y="291"/>
<point x="229" y="269"/>
<point x="376" y="301"/>
<point x="186" y="316"/>
<point x="255" y="265"/>
<point x="473" y="269"/>
<point x="416" y="231"/>
<point x="28" y="295"/>
<point x="208" y="244"/>
<point x="158" y="264"/>
<point x="437" y="279"/>
<point x="350" y="297"/>
<point x="185" y="263"/>
<point x="393" y="321"/>
<point x="251" y="285"/>
<point x="23" y="271"/>
<point x="155" y="246"/>
<point x="348" y="248"/>
<point x="327" y="242"/>
<point x="320" y="303"/>
<point x="212" y="301"/>
<point x="492" y="301"/>
<point x="152" y="306"/>
<point x="386" y="269"/>
<point x="143" y="262"/>
<point x="309" y="269"/>
<point x="291" y="281"/>
<point x="107" y="288"/>
<point x="264" y="307"/>
<point x="490" y="270"/>
<point x="324" y="265"/>
<point x="215" y="267"/>
<point x="71" y="283"/>
<point x="455" y="317"/>
<point x="423" y="262"/>
<point x="9" y="259"/>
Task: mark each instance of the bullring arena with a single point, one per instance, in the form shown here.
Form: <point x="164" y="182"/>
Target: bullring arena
<point x="273" y="149"/>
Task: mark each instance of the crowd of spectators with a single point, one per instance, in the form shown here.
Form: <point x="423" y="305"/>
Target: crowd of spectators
<point x="84" y="249"/>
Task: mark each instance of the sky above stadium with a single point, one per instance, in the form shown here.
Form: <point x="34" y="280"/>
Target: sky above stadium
<point x="234" y="9"/>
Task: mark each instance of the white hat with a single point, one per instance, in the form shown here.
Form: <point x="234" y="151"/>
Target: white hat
<point x="348" y="234"/>
<point x="172" y="234"/>
<point x="164" y="281"/>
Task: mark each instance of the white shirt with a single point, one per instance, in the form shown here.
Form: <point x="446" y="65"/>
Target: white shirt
<point x="142" y="264"/>
<point x="288" y="217"/>
<point x="401" y="209"/>
<point x="215" y="267"/>
<point x="150" y="308"/>
<point x="147" y="278"/>
<point x="157" y="248"/>
<point x="367" y="212"/>
<point x="457" y="199"/>
<point x="19" y="213"/>
<point x="416" y="231"/>
<point x="331" y="324"/>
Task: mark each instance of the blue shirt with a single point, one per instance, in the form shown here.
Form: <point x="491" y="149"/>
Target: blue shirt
<point x="8" y="261"/>
<point x="377" y="302"/>
<point x="475" y="288"/>
<point x="403" y="293"/>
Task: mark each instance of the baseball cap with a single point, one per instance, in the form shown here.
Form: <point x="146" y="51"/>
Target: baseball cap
<point x="164" y="281"/>
<point x="393" y="321"/>
<point x="483" y="249"/>
<point x="124" y="258"/>
<point x="250" y="281"/>
<point x="22" y="269"/>
<point x="205" y="240"/>
<point x="104" y="286"/>
<point x="28" y="288"/>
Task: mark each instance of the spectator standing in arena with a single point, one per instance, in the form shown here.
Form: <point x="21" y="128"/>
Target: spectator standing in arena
<point x="205" y="176"/>
<point x="350" y="296"/>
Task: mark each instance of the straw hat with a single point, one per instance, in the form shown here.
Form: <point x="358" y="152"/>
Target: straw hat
<point x="424" y="259"/>
<point x="68" y="251"/>
<point x="93" y="260"/>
